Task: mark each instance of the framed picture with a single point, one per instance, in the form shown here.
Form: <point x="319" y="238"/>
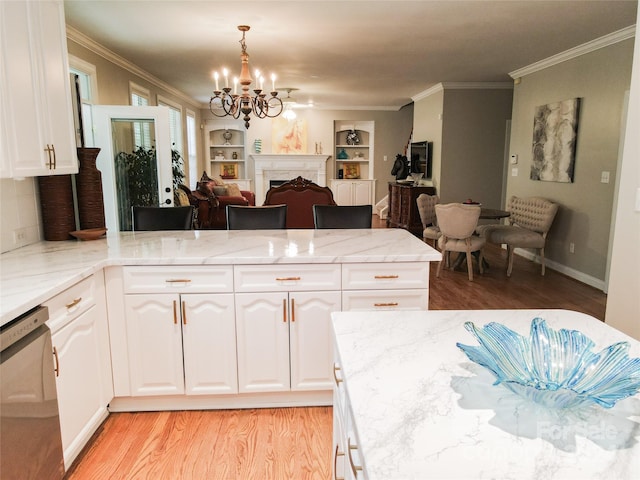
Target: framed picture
<point x="351" y="170"/>
<point x="555" y="134"/>
<point x="229" y="170"/>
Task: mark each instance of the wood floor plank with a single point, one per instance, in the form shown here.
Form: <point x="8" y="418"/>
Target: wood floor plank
<point x="270" y="443"/>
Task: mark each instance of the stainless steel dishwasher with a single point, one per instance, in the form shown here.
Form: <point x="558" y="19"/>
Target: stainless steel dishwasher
<point x="30" y="440"/>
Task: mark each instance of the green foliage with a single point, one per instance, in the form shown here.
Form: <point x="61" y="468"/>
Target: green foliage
<point x="138" y="176"/>
<point x="177" y="168"/>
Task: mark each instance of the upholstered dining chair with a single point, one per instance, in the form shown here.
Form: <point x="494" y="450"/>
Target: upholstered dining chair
<point x="529" y="222"/>
<point x="256" y="218"/>
<point x="457" y="223"/>
<point x="162" y="218"/>
<point x="426" y="209"/>
<point x="342" y="216"/>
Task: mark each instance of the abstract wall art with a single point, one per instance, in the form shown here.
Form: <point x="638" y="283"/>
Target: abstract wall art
<point x="555" y="134"/>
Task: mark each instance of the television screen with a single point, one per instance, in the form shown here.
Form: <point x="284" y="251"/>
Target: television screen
<point x="420" y="160"/>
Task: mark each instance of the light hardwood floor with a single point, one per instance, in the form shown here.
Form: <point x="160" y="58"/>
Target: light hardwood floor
<point x="295" y="443"/>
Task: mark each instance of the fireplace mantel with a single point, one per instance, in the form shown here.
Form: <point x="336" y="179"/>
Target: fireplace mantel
<point x="286" y="167"/>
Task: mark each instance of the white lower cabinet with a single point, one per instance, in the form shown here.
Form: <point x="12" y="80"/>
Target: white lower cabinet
<point x="181" y="343"/>
<point x="284" y="340"/>
<point x="347" y="461"/>
<point x="80" y="334"/>
<point x="353" y="192"/>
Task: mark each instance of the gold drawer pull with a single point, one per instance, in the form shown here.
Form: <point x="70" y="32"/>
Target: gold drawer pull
<point x="293" y="310"/>
<point x="354" y="468"/>
<point x="286" y="279"/>
<point x="390" y="304"/>
<point x="178" y="280"/>
<point x="72" y="304"/>
<point x="184" y="312"/>
<point x="335" y="377"/>
<point x="57" y="367"/>
<point x="284" y="310"/>
<point x="175" y="313"/>
<point x="383" y="277"/>
<point x="335" y="463"/>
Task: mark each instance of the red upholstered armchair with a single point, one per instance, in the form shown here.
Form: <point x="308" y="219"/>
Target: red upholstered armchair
<point x="300" y="195"/>
<point x="211" y="198"/>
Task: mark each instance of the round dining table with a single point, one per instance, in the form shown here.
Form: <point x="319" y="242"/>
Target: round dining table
<point x="493" y="213"/>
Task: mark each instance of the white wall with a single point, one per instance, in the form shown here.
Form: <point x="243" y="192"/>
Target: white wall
<point x="623" y="302"/>
<point x="19" y="213"/>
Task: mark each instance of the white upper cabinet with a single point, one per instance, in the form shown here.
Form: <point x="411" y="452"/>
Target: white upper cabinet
<point x="37" y="134"/>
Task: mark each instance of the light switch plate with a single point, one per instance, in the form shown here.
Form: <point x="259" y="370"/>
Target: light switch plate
<point x="514" y="172"/>
<point x="604" y="177"/>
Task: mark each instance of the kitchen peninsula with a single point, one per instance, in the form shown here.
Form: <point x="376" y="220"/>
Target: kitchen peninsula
<point x="409" y="405"/>
<point x="32" y="274"/>
<point x="204" y="319"/>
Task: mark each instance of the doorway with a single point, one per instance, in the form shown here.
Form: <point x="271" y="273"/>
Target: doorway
<point x="135" y="160"/>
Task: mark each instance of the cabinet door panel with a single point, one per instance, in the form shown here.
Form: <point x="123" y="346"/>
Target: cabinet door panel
<point x="263" y="342"/>
<point x="79" y="382"/>
<point x="209" y="342"/>
<point x="310" y="340"/>
<point x="362" y="193"/>
<point x="154" y="344"/>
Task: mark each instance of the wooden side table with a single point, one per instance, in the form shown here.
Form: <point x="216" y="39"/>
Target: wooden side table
<point x="403" y="208"/>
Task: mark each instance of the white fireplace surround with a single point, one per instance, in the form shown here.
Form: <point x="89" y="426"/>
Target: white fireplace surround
<point x="287" y="167"/>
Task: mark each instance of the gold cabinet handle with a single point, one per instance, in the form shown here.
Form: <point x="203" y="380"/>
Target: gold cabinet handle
<point x="285" y="279"/>
<point x="178" y="280"/>
<point x="73" y="303"/>
<point x="293" y="310"/>
<point x="175" y="313"/>
<point x="284" y="310"/>
<point x="53" y="149"/>
<point x="382" y="277"/>
<point x="335" y="463"/>
<point x="57" y="361"/>
<point x="390" y="304"/>
<point x="184" y="312"/>
<point x="335" y="376"/>
<point x="48" y="150"/>
<point x="354" y="468"/>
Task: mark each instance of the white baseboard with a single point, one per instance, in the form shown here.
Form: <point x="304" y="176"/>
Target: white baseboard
<point x="568" y="271"/>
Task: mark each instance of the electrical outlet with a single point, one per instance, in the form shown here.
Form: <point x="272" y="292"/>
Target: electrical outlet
<point x="604" y="177"/>
<point x="514" y="172"/>
<point x="514" y="159"/>
<point x="19" y="236"/>
<point x="572" y="247"/>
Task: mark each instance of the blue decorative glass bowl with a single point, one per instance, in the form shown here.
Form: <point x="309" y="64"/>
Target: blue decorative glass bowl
<point x="555" y="368"/>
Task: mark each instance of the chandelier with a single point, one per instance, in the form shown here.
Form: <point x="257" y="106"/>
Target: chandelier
<point x="223" y="103"/>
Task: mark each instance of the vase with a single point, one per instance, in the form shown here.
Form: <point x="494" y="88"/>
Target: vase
<point x="56" y="206"/>
<point x="89" y="190"/>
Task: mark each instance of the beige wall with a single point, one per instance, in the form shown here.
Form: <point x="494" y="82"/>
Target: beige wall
<point x="473" y="144"/>
<point x="427" y="127"/>
<point x="468" y="130"/>
<point x="600" y="79"/>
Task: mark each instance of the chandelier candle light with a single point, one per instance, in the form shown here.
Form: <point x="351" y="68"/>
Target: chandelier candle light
<point x="223" y="103"/>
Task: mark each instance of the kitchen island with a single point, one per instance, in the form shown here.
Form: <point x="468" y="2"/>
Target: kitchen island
<point x="408" y="404"/>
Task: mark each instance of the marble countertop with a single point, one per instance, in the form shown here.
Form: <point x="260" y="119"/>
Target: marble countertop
<point x="33" y="274"/>
<point x="423" y="410"/>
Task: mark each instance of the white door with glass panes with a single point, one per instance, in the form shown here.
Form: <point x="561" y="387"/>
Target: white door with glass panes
<point x="135" y="160"/>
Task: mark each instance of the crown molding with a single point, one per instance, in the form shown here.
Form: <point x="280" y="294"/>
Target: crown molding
<point x="462" y="86"/>
<point x="593" y="45"/>
<point x="90" y="44"/>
